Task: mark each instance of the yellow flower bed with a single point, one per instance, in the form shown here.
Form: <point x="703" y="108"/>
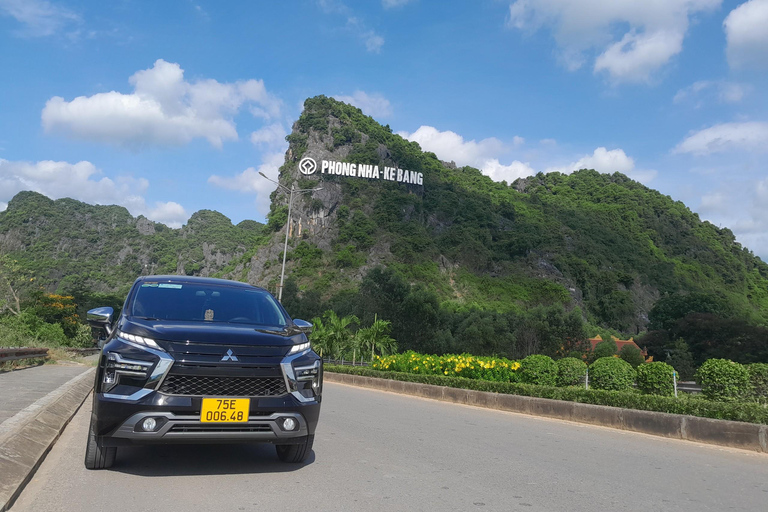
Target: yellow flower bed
<point x="497" y="369"/>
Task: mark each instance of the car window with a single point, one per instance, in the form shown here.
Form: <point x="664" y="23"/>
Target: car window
<point x="206" y="303"/>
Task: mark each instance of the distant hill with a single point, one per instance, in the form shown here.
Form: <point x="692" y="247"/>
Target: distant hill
<point x="602" y="246"/>
<point x="64" y="243"/>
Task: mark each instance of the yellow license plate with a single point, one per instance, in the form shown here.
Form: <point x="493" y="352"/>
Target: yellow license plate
<point x="225" y="410"/>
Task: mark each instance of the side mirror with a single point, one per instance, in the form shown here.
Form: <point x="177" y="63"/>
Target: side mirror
<point x="303" y="325"/>
<point x="101" y="318"/>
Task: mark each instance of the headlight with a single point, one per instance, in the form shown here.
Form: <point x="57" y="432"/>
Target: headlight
<point x="147" y="342"/>
<point x="299" y="348"/>
<point x="131" y="372"/>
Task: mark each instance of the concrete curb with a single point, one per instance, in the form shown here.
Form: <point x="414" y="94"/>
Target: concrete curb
<point x="28" y="437"/>
<point x="733" y="434"/>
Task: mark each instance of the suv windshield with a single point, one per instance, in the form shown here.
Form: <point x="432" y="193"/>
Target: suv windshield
<point x="206" y="303"/>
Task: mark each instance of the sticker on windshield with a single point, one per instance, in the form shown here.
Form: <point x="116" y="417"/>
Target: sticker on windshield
<point x="149" y="285"/>
<point x="208" y="314"/>
<point x="169" y="285"/>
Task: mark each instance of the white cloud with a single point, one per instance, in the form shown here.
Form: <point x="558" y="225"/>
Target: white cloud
<point x="483" y="154"/>
<point x="374" y="105"/>
<point x="39" y="17"/>
<point x="744" y="136"/>
<point x="607" y="162"/>
<point x="450" y="146"/>
<point x="637" y="56"/>
<point x="373" y="42"/>
<point x="743" y="208"/>
<point x="721" y="91"/>
<point x="389" y="4"/>
<point x="746" y="32"/>
<point x="163" y="110"/>
<point x="271" y="136"/>
<point x="81" y="181"/>
<point x="355" y="25"/>
<point x="509" y="173"/>
<point x="3" y="206"/>
<point x="249" y="181"/>
<point x="649" y="33"/>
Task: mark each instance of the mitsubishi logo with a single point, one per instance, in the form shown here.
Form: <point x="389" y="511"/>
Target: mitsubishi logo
<point x="229" y="356"/>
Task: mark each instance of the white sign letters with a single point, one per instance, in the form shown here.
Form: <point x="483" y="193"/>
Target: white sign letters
<point x="308" y="166"/>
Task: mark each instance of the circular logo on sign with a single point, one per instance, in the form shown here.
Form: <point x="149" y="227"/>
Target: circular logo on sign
<point x="307" y="165"/>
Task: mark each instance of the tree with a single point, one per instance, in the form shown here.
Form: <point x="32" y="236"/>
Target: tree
<point x="11" y="275"/>
<point x="377" y="336"/>
<point x="319" y="336"/>
<point x="668" y="310"/>
<point x="605" y="348"/>
<point x="632" y="355"/>
<point x="338" y="337"/>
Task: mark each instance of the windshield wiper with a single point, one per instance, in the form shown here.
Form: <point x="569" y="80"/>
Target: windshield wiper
<point x="150" y="318"/>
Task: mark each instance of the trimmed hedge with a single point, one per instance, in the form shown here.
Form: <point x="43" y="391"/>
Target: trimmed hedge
<point x="723" y="380"/>
<point x="538" y="369"/>
<point x="758" y="377"/>
<point x="692" y="406"/>
<point x="570" y="371"/>
<point x="611" y="374"/>
<point x="656" y="378"/>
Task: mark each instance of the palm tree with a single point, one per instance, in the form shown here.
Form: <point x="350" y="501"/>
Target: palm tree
<point x="319" y="336"/>
<point x="339" y="336"/>
<point x="377" y="336"/>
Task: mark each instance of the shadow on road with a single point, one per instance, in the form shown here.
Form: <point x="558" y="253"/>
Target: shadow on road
<point x="213" y="459"/>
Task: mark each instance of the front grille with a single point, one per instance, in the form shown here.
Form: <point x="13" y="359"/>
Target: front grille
<point x="223" y="386"/>
<point x="220" y="428"/>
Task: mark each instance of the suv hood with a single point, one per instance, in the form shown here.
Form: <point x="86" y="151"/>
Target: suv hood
<point x="209" y="332"/>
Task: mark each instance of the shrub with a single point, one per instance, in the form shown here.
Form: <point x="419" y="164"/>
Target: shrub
<point x="723" y="380"/>
<point x="570" y="371"/>
<point x="605" y="348"/>
<point x="538" y="369"/>
<point x="655" y="378"/>
<point x="758" y="377"/>
<point x="747" y="412"/>
<point x="632" y="355"/>
<point x="496" y="369"/>
<point x="611" y="373"/>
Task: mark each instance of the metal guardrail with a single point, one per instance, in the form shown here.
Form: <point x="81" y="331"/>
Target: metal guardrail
<point x="83" y="351"/>
<point x="688" y="387"/>
<point x="15" y="354"/>
<point x="342" y="362"/>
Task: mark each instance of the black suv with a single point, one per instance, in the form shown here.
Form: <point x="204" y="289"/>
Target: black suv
<point x="198" y="360"/>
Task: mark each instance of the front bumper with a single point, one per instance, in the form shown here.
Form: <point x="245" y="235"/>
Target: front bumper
<point x="188" y="428"/>
<point x="178" y="418"/>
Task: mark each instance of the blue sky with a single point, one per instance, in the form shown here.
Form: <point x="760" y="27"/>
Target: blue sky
<point x="171" y="107"/>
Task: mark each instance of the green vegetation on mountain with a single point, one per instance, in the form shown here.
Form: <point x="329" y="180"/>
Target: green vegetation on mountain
<point x="487" y="267"/>
<point x="462" y="264"/>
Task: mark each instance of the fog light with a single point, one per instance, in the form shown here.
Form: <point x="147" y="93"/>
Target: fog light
<point x="289" y="424"/>
<point x="149" y="424"/>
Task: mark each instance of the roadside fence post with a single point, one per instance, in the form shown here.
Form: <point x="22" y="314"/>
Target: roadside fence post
<point x="674" y="381"/>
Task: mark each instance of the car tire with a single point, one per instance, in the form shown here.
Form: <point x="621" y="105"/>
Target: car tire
<point x="98" y="456"/>
<point x="295" y="453"/>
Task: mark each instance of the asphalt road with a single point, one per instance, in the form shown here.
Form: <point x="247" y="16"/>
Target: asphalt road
<point x="379" y="451"/>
